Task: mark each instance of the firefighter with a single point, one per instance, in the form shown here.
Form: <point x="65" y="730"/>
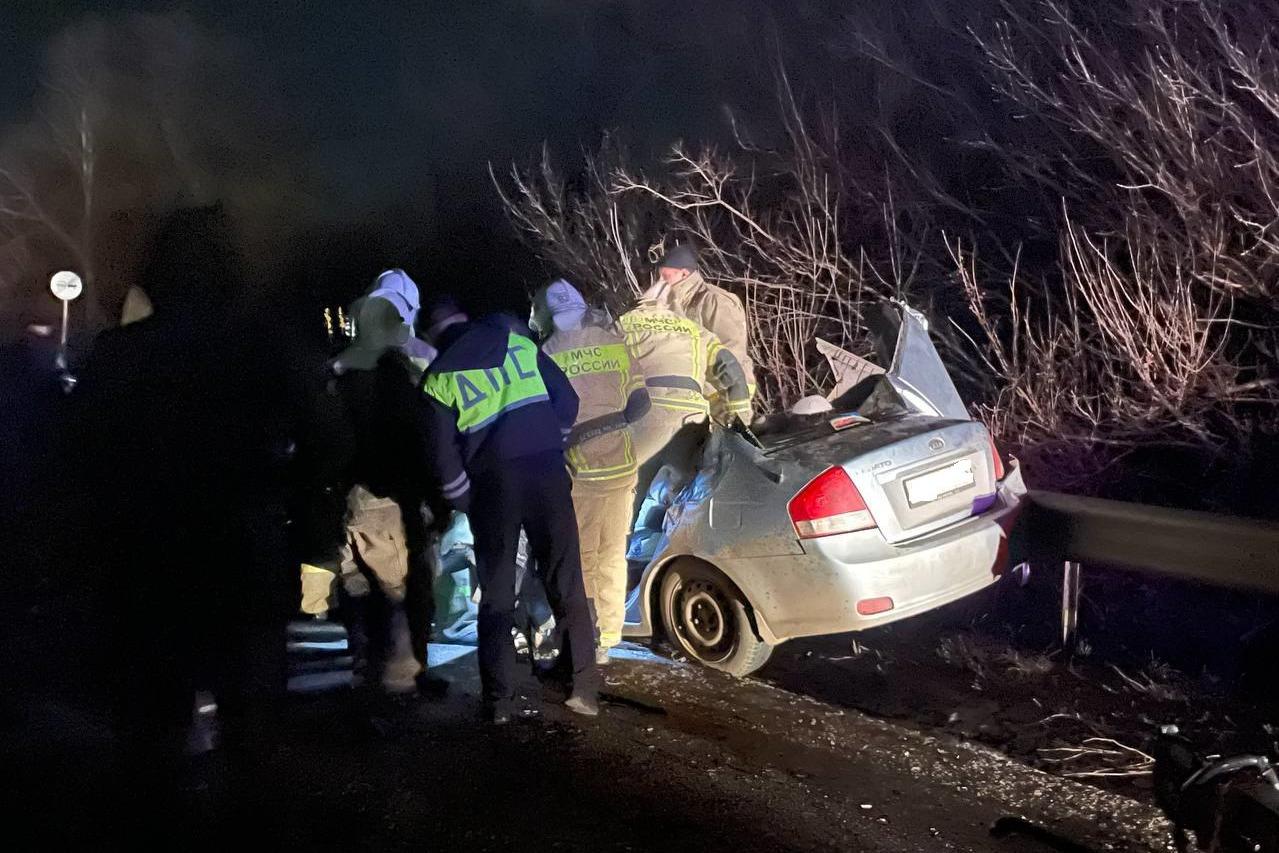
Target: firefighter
<point x="682" y="289"/>
<point x="497" y="412"/>
<point x="684" y="365"/>
<point x="591" y="350"/>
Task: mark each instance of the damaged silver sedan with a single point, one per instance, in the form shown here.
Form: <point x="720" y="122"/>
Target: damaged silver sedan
<point x="893" y="503"/>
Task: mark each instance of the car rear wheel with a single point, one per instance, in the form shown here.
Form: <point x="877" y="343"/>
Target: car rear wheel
<point x="708" y="619"/>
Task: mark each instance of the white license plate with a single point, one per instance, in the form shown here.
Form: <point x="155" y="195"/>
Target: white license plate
<point x="927" y="488"/>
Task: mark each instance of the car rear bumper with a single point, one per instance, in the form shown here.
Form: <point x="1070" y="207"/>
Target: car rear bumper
<point x="818" y="592"/>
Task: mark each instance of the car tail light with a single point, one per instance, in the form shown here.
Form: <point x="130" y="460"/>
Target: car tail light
<point x="997" y="458"/>
<point x="829" y="504"/>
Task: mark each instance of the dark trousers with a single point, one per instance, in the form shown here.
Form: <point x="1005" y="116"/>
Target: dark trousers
<point x="419" y="593"/>
<point x="533" y="492"/>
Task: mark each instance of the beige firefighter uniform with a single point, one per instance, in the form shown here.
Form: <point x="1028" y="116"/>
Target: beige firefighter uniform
<point x="601" y="457"/>
<point x="603" y="524"/>
<point x="684" y="365"/>
<point x="721" y="313"/>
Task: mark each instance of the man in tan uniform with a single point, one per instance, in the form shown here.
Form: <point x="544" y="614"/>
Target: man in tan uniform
<point x="591" y="350"/>
<point x="684" y="365"/>
<point x="682" y="289"/>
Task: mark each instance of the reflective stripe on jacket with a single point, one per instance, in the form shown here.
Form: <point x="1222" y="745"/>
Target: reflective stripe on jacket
<point x="599" y="366"/>
<point x="673" y="352"/>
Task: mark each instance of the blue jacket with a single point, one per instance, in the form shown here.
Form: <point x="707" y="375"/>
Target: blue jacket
<point x="463" y="445"/>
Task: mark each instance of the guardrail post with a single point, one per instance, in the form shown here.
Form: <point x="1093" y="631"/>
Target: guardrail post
<point x="1071" y="582"/>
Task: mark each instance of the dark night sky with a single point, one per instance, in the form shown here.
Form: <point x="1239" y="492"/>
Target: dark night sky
<point x="390" y="98"/>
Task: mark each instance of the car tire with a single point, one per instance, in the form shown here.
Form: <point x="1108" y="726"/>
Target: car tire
<point x="706" y="617"/>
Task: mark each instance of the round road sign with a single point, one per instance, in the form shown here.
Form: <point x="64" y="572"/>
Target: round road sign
<point x="66" y="285"/>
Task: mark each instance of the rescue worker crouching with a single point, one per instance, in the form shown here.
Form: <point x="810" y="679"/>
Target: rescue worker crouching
<point x="682" y="289"/>
<point x="498" y="412"/>
<point x="591" y="350"/>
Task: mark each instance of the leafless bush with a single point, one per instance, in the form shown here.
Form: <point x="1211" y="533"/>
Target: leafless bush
<point x="768" y="224"/>
<point x="583" y="232"/>
<point x="1131" y="348"/>
<point x="1153" y="135"/>
<point x="1183" y="99"/>
<point x="1162" y="324"/>
<point x="49" y="168"/>
<point x="136" y="114"/>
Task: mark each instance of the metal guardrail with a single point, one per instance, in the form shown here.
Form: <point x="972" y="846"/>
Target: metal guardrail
<point x="1215" y="549"/>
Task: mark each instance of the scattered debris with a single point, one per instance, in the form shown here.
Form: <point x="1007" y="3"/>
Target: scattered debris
<point x="1026" y="665"/>
<point x="1154" y="682"/>
<point x="1116" y="759"/>
<point x="958" y="650"/>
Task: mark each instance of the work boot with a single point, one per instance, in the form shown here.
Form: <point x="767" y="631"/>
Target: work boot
<point x="601" y="656"/>
<point x="584" y="702"/>
<point x="401" y="669"/>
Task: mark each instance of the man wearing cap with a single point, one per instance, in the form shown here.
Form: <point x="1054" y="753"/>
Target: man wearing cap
<point x="383" y="561"/>
<point x="497" y="412"/>
<point x="682" y="289"/>
<point x="591" y="350"/>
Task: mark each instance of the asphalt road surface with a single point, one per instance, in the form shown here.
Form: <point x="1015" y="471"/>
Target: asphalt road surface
<point x="680" y="759"/>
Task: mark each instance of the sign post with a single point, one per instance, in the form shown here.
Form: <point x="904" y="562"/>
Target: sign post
<point x="65" y="285"/>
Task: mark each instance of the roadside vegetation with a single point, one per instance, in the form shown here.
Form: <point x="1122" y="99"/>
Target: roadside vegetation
<point x="1084" y="197"/>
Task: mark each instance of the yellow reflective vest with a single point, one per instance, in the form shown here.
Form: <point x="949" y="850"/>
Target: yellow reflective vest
<point x="480" y="395"/>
